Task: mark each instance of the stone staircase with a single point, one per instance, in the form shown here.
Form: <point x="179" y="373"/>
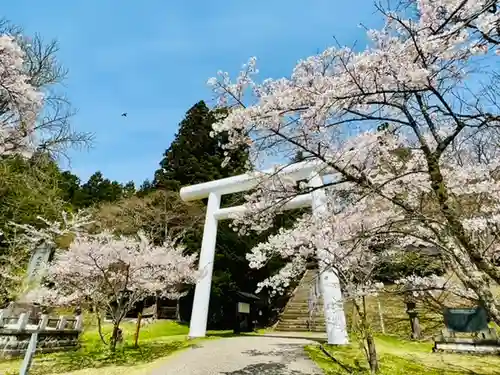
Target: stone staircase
<point x="296" y="316"/>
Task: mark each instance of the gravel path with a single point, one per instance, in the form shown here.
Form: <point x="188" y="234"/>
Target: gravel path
<point x="242" y="356"/>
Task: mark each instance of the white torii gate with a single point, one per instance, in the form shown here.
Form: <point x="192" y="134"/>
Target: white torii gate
<point x="214" y="190"/>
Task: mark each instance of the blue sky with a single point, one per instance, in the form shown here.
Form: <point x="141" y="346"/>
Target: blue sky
<point x="152" y="59"/>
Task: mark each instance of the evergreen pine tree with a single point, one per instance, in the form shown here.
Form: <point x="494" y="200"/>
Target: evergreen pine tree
<point x="145" y="188"/>
<point x="194" y="156"/>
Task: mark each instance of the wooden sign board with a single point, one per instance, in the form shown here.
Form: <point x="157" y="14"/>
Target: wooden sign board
<point x="243" y="308"/>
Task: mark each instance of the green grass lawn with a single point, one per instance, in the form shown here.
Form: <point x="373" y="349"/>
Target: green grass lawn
<point x="401" y="357"/>
<point x="395" y="318"/>
<point x="156" y="341"/>
<point x="397" y="354"/>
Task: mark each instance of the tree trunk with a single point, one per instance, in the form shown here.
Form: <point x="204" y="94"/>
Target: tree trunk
<point x="155" y="309"/>
<point x="114" y="337"/>
<point x="137" y="330"/>
<point x="99" y="326"/>
<point x="178" y="310"/>
<point x="441" y="191"/>
<point x="370" y="348"/>
<point x="372" y="354"/>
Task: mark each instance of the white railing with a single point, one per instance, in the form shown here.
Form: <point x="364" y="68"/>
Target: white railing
<point x="23" y="323"/>
<point x="314" y="296"/>
<point x="20" y="335"/>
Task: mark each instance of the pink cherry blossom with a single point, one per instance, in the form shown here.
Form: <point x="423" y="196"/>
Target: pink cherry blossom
<point x="21" y="101"/>
<point x="408" y="132"/>
<point x="114" y="273"/>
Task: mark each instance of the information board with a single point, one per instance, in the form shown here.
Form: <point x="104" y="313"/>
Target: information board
<point x="243" y="308"/>
<point x="466" y="320"/>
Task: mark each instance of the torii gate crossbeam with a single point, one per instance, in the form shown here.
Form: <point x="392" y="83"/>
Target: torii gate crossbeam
<point x="214" y="190"/>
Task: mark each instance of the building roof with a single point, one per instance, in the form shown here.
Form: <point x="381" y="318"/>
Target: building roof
<point x="246" y="296"/>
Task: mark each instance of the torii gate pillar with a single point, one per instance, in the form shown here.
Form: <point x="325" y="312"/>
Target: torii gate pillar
<point x="199" y="315"/>
<point x="329" y="282"/>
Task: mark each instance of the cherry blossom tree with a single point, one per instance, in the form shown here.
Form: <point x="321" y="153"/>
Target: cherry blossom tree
<point x="112" y="274"/>
<point x="34" y="111"/>
<point x="354" y="260"/>
<point x="408" y="128"/>
<point x="21" y="101"/>
<point x="56" y="234"/>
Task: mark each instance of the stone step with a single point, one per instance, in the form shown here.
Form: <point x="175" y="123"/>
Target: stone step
<point x="298" y="306"/>
<point x="307" y="289"/>
<point x="304" y="288"/>
<point x="296" y="316"/>
<point x="302" y="294"/>
<point x="301" y="329"/>
<point x="302" y="326"/>
<point x="308" y="280"/>
<point x="303" y="320"/>
<point x="298" y="302"/>
<point x="303" y="304"/>
<point x="302" y="311"/>
<point x="306" y="285"/>
<point x="316" y="318"/>
<point x="310" y="275"/>
<point x="291" y="323"/>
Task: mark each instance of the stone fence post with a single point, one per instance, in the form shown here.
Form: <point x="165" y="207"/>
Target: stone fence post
<point x="79" y="323"/>
<point x="22" y="321"/>
<point x="61" y="324"/>
<point x="44" y="320"/>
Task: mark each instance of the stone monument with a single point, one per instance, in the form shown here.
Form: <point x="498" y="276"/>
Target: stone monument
<point x="35" y="272"/>
<point x="467" y="331"/>
<point x="37" y="264"/>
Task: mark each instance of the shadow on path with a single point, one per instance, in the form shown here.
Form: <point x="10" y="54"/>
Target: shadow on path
<point x="270" y="368"/>
<point x="287" y="352"/>
<point x="243" y="356"/>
